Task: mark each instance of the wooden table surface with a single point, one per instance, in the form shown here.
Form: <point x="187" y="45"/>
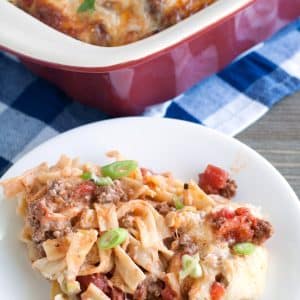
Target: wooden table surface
<point x="276" y="136"/>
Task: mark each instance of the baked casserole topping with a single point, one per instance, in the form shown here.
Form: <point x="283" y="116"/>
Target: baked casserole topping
<point x="110" y="22"/>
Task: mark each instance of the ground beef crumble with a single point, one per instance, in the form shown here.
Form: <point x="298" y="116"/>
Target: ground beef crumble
<point x="216" y="181"/>
<point x="110" y="193"/>
<point x="229" y="190"/>
<point x="44" y="222"/>
<point x="262" y="231"/>
<point x="184" y="244"/>
<point x="164" y="208"/>
<point x="127" y="221"/>
<point x="222" y="279"/>
<point x="54" y="214"/>
<point x="101" y="281"/>
<point x="149" y="289"/>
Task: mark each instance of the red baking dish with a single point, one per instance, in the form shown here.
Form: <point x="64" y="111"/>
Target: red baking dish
<point x="124" y="80"/>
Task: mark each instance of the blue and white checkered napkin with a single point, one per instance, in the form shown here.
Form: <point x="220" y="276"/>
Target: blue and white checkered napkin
<point x="32" y="110"/>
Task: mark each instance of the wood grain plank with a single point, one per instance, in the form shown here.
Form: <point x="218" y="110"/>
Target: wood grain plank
<point x="276" y="136"/>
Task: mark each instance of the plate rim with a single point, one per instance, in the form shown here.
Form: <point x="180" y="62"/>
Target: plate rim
<point x="220" y="135"/>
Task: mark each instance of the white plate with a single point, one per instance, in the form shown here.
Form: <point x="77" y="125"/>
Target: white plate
<point x="185" y="149"/>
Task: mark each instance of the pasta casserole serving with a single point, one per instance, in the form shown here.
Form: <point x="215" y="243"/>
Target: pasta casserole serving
<point x="120" y="231"/>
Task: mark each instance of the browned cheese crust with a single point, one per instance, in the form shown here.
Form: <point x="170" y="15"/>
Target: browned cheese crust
<point x="113" y="22"/>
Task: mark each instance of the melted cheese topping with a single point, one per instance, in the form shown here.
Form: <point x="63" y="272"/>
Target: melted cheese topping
<point x="113" y="22"/>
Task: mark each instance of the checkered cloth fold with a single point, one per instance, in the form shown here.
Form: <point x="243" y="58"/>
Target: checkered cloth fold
<point x="228" y="101"/>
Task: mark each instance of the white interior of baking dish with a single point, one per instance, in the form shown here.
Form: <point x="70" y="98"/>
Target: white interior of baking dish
<point x="25" y="35"/>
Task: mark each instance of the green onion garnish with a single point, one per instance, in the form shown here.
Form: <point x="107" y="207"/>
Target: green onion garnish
<point x="86" y="176"/>
<point x="178" y="203"/>
<point x="103" y="181"/>
<point x="244" y="248"/>
<point x="98" y="180"/>
<point x="119" y="169"/>
<point x="70" y="287"/>
<point x="86" y="5"/>
<point x="190" y="267"/>
<point x="112" y="238"/>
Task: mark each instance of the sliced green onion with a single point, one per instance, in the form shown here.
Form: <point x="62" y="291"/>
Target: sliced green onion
<point x="98" y="180"/>
<point x="70" y="287"/>
<point x="86" y="5"/>
<point x="190" y="267"/>
<point x="244" y="248"/>
<point x="196" y="272"/>
<point x="103" y="181"/>
<point x="178" y="203"/>
<point x="112" y="238"/>
<point x="119" y="169"/>
<point x="86" y="176"/>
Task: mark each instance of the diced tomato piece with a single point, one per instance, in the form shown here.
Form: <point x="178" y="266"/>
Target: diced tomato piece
<point x="242" y="211"/>
<point x="217" y="291"/>
<point x="168" y="294"/>
<point x="213" y="179"/>
<point x="225" y="213"/>
<point x="240" y="226"/>
<point x="236" y="230"/>
<point x="84" y="188"/>
<point x="99" y="280"/>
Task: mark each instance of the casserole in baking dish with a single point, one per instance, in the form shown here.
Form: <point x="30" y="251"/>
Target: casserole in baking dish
<point x="125" y="79"/>
<point x="111" y="22"/>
